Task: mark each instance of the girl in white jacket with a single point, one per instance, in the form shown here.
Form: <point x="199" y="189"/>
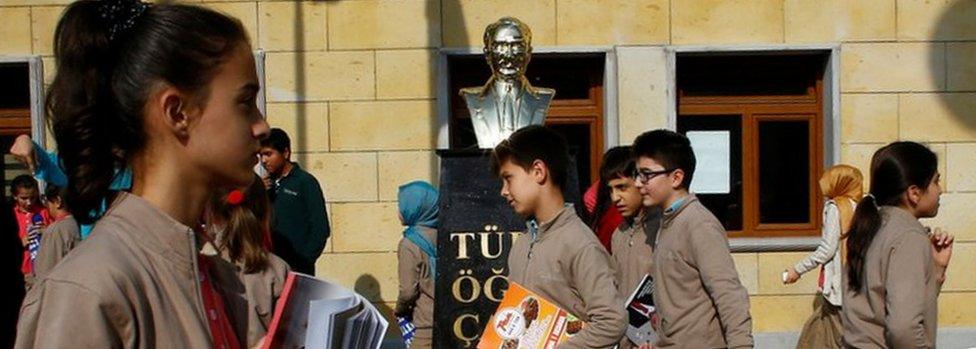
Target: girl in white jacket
<point x="842" y="186"/>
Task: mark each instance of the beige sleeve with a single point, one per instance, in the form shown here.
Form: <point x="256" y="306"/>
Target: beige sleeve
<point x="606" y="318"/>
<point x="617" y="261"/>
<point x="408" y="268"/>
<point x="60" y="314"/>
<point x="909" y="266"/>
<point x="710" y="250"/>
<point x="56" y="241"/>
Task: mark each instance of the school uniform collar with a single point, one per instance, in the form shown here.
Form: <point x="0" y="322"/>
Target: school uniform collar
<point x="538" y="230"/>
<point x="901" y="217"/>
<point x="676" y="208"/>
<point x="157" y="230"/>
<point x="630" y="223"/>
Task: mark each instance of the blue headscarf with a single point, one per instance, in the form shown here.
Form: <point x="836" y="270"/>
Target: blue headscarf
<point x="417" y="202"/>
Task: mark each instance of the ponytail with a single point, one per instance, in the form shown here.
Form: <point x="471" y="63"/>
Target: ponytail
<point x="864" y="226"/>
<point x="243" y="224"/>
<point x="79" y="102"/>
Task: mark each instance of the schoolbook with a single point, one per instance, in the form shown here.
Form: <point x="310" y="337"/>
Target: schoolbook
<point x="317" y="314"/>
<point x="640" y="313"/>
<point x="525" y="320"/>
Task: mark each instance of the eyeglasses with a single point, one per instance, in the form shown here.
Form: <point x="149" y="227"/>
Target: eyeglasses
<point x="643" y="175"/>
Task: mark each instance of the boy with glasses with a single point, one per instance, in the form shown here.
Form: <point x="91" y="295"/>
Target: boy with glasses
<point x="699" y="299"/>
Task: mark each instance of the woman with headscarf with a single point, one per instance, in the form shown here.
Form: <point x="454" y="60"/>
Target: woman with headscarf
<point x="842" y="186"/>
<point x="417" y="257"/>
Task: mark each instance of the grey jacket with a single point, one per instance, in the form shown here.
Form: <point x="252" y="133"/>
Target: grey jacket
<point x="898" y="306"/>
<point x="133" y="284"/>
<point x="58" y="239"/>
<point x="699" y="298"/>
<point x="416" y="295"/>
<point x="563" y="262"/>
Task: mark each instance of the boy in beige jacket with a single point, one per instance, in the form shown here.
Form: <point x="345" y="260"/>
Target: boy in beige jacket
<point x="632" y="242"/>
<point x="559" y="258"/>
<point x="700" y="301"/>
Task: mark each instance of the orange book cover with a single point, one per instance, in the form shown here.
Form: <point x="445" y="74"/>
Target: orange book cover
<point x="525" y="320"/>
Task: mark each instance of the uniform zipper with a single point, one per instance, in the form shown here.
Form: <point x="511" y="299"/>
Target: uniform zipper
<point x="533" y="230"/>
<point x="196" y="278"/>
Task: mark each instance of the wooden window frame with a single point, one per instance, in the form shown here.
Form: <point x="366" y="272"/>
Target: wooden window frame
<point x="753" y="109"/>
<point x="27" y="120"/>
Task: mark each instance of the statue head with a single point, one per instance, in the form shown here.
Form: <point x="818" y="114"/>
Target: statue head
<point x="508" y="48"/>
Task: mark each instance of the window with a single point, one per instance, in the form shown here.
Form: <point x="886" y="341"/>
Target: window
<point x="765" y="112"/>
<point x="576" y="112"/>
<point x="15" y="115"/>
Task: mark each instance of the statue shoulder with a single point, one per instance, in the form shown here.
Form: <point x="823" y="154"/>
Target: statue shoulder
<point x="542" y="93"/>
<point x="545" y="91"/>
<point x="476" y="91"/>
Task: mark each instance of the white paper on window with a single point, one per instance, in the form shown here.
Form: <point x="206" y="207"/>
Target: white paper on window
<point x="712" y="152"/>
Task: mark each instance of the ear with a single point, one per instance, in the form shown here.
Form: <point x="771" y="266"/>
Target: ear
<point x="287" y="153"/>
<point x="175" y="107"/>
<point x="539" y="172"/>
<point x="677" y="177"/>
<point x="913" y="195"/>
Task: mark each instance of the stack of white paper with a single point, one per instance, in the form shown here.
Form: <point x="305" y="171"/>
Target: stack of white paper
<point x="317" y="314"/>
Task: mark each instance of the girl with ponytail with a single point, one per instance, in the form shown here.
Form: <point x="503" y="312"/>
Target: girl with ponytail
<point x="239" y="221"/>
<point x="167" y="91"/>
<point x="895" y="266"/>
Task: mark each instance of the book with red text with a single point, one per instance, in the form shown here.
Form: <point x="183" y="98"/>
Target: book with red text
<point x="525" y="320"/>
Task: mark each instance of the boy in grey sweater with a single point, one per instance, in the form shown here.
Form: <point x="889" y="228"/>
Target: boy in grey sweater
<point x="700" y="301"/>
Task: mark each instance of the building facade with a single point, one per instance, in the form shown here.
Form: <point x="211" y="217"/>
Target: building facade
<point x="367" y="90"/>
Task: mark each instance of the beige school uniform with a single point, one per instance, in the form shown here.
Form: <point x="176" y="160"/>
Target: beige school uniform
<point x="699" y="299"/>
<point x="416" y="296"/>
<point x="632" y="251"/>
<point x="133" y="284"/>
<point x="632" y="255"/>
<point x="58" y="239"/>
<point x="898" y="305"/>
<point x="250" y="297"/>
<point x="565" y="263"/>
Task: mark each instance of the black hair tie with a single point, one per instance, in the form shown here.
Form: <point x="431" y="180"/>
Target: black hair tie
<point x="121" y="15"/>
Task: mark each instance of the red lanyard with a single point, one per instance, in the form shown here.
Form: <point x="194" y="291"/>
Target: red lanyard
<point x="220" y="328"/>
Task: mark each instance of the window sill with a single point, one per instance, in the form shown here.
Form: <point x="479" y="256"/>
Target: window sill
<point x="793" y="244"/>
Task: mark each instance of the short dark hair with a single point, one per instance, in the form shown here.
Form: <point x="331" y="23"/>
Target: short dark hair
<point x="54" y="192"/>
<point x="670" y="149"/>
<point x="617" y="162"/>
<point x="277" y="140"/>
<point x="22" y="182"/>
<point x="533" y="143"/>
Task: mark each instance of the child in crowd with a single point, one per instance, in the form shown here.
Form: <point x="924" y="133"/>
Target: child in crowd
<point x="60" y="237"/>
<point x="699" y="299"/>
<point x="31" y="217"/>
<point x="633" y="240"/>
<point x="895" y="266"/>
<point x="603" y="216"/>
<point x="560" y="258"/>
<point x="239" y="223"/>
<point x="417" y="259"/>
<point x="169" y="91"/>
